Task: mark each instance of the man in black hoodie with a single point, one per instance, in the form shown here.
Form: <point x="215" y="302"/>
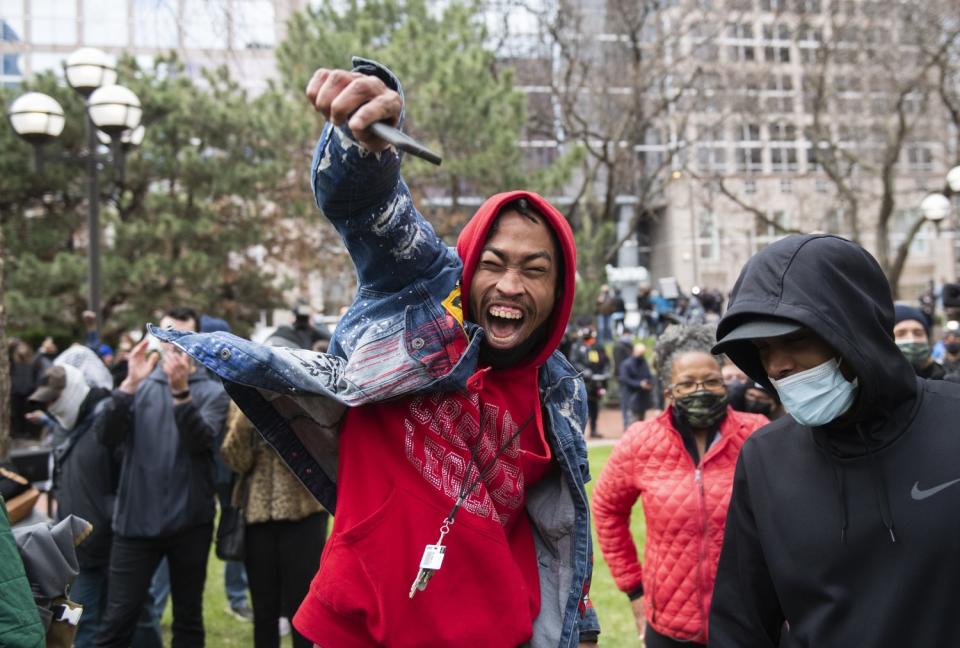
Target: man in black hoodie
<point x="842" y="525"/>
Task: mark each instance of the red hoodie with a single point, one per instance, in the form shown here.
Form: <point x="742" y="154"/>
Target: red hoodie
<point x="401" y="466"/>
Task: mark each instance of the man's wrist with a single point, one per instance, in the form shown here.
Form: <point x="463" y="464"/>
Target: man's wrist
<point x="128" y="386"/>
<point x="180" y="394"/>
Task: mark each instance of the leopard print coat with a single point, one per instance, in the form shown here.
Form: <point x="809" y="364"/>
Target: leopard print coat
<point x="274" y="492"/>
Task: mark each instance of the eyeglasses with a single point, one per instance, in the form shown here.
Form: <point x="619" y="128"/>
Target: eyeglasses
<point x="689" y="386"/>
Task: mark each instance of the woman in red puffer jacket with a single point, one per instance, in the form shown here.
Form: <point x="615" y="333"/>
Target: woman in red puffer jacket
<point x="680" y="465"/>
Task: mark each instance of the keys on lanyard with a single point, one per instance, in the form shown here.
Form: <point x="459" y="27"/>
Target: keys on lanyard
<point x="431" y="561"/>
<point x="433" y="554"/>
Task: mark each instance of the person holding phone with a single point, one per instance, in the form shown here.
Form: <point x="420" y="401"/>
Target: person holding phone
<point x="166" y="416"/>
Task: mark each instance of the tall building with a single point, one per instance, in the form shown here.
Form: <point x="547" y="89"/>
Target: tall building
<point x="39" y="34"/>
<point x="726" y="124"/>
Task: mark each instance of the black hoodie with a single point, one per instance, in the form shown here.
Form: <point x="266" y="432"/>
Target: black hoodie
<point x="848" y="532"/>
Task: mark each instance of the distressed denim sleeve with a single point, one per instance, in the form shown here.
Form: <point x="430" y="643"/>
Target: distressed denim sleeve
<point x="366" y="200"/>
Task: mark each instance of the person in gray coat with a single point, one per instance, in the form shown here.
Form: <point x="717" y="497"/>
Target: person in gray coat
<point x="166" y="415"/>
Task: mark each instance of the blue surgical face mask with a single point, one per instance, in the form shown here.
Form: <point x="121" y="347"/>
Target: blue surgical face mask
<point x="817" y="396"/>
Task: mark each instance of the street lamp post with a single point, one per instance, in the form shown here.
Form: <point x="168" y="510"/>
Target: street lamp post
<point x="937" y="206"/>
<point x="110" y="109"/>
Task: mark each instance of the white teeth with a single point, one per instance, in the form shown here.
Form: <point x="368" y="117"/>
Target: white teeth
<point x="504" y="313"/>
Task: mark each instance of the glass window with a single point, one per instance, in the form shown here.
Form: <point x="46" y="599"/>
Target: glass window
<point x="11" y="19"/>
<point x="919" y="157"/>
<point x="53" y="22"/>
<point x="741" y="43"/>
<point x="708" y="236"/>
<point x="769" y="229"/>
<point x="749" y="159"/>
<point x="813" y="162"/>
<point x="204" y="24"/>
<point x="155" y="23"/>
<point x="749" y="151"/>
<point x="712" y="159"/>
<point x="253" y="24"/>
<point x="11" y="65"/>
<point x="47" y="61"/>
<point x="783" y="159"/>
<point x="902" y="222"/>
<point x="105" y="22"/>
<point x="711" y="150"/>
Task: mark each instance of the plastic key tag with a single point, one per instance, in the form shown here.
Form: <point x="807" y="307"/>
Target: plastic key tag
<point x="432" y="557"/>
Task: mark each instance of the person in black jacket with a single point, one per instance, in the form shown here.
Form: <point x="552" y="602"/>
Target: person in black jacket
<point x="636" y="385"/>
<point x="166" y="417"/>
<point x="84" y="484"/>
<point x="842" y="525"/>
<point x="590" y="358"/>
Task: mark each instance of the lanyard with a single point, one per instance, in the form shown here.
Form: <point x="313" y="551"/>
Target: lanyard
<point x="465" y="490"/>
<point x="433" y="554"/>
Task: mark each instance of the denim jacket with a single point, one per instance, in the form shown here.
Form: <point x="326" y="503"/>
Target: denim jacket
<point x="398" y="340"/>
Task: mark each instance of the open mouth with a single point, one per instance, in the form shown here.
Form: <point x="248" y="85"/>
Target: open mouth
<point x="504" y="322"/>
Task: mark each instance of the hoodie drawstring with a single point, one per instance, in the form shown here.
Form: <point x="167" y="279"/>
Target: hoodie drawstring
<point x="879" y="487"/>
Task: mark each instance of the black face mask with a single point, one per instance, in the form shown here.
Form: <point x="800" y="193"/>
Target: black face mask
<point x="702" y="409"/>
<point x="758" y="407"/>
<point x="953" y="348"/>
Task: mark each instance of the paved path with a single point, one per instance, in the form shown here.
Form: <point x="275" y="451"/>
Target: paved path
<point x="610" y="424"/>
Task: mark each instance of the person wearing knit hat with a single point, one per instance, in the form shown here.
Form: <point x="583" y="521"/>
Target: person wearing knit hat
<point x="911" y="331"/>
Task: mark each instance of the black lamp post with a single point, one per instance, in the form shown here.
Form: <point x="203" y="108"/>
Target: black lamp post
<point x="110" y="109"/>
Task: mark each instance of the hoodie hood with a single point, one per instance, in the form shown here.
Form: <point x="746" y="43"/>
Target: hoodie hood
<point x="474" y="236"/>
<point x="836" y="289"/>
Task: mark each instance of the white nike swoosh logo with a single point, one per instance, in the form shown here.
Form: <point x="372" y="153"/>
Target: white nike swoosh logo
<point x="918" y="494"/>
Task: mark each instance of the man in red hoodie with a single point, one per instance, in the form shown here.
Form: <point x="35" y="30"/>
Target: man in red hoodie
<point x="476" y="443"/>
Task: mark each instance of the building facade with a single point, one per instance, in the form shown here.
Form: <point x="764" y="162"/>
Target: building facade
<point x="241" y="34"/>
<point x="730" y="122"/>
<point x="757" y="119"/>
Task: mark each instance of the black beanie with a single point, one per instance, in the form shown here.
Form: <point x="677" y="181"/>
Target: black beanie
<point x="903" y="312"/>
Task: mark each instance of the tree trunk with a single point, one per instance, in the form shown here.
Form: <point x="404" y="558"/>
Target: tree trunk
<point x="903" y="250"/>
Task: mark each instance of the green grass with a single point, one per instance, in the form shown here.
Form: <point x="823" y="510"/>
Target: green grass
<point x="616" y="618"/>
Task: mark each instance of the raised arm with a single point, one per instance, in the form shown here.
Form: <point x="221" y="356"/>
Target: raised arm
<point x="118" y="416"/>
<point x="357" y="184"/>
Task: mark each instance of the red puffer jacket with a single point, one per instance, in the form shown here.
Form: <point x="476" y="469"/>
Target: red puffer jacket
<point x="685" y="508"/>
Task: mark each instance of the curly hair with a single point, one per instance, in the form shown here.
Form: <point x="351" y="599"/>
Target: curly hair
<point x="679" y="339"/>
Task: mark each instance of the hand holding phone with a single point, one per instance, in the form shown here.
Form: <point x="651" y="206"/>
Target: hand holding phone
<point x="139" y="365"/>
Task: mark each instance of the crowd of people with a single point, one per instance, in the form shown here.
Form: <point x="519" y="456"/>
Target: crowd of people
<point x="932" y="350"/>
<point x="144" y="450"/>
<point x="793" y="453"/>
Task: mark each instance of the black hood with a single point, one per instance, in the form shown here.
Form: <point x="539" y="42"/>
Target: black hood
<point x="836" y="289"/>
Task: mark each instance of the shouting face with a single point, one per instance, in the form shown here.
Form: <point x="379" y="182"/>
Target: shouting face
<point x="514" y="286"/>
